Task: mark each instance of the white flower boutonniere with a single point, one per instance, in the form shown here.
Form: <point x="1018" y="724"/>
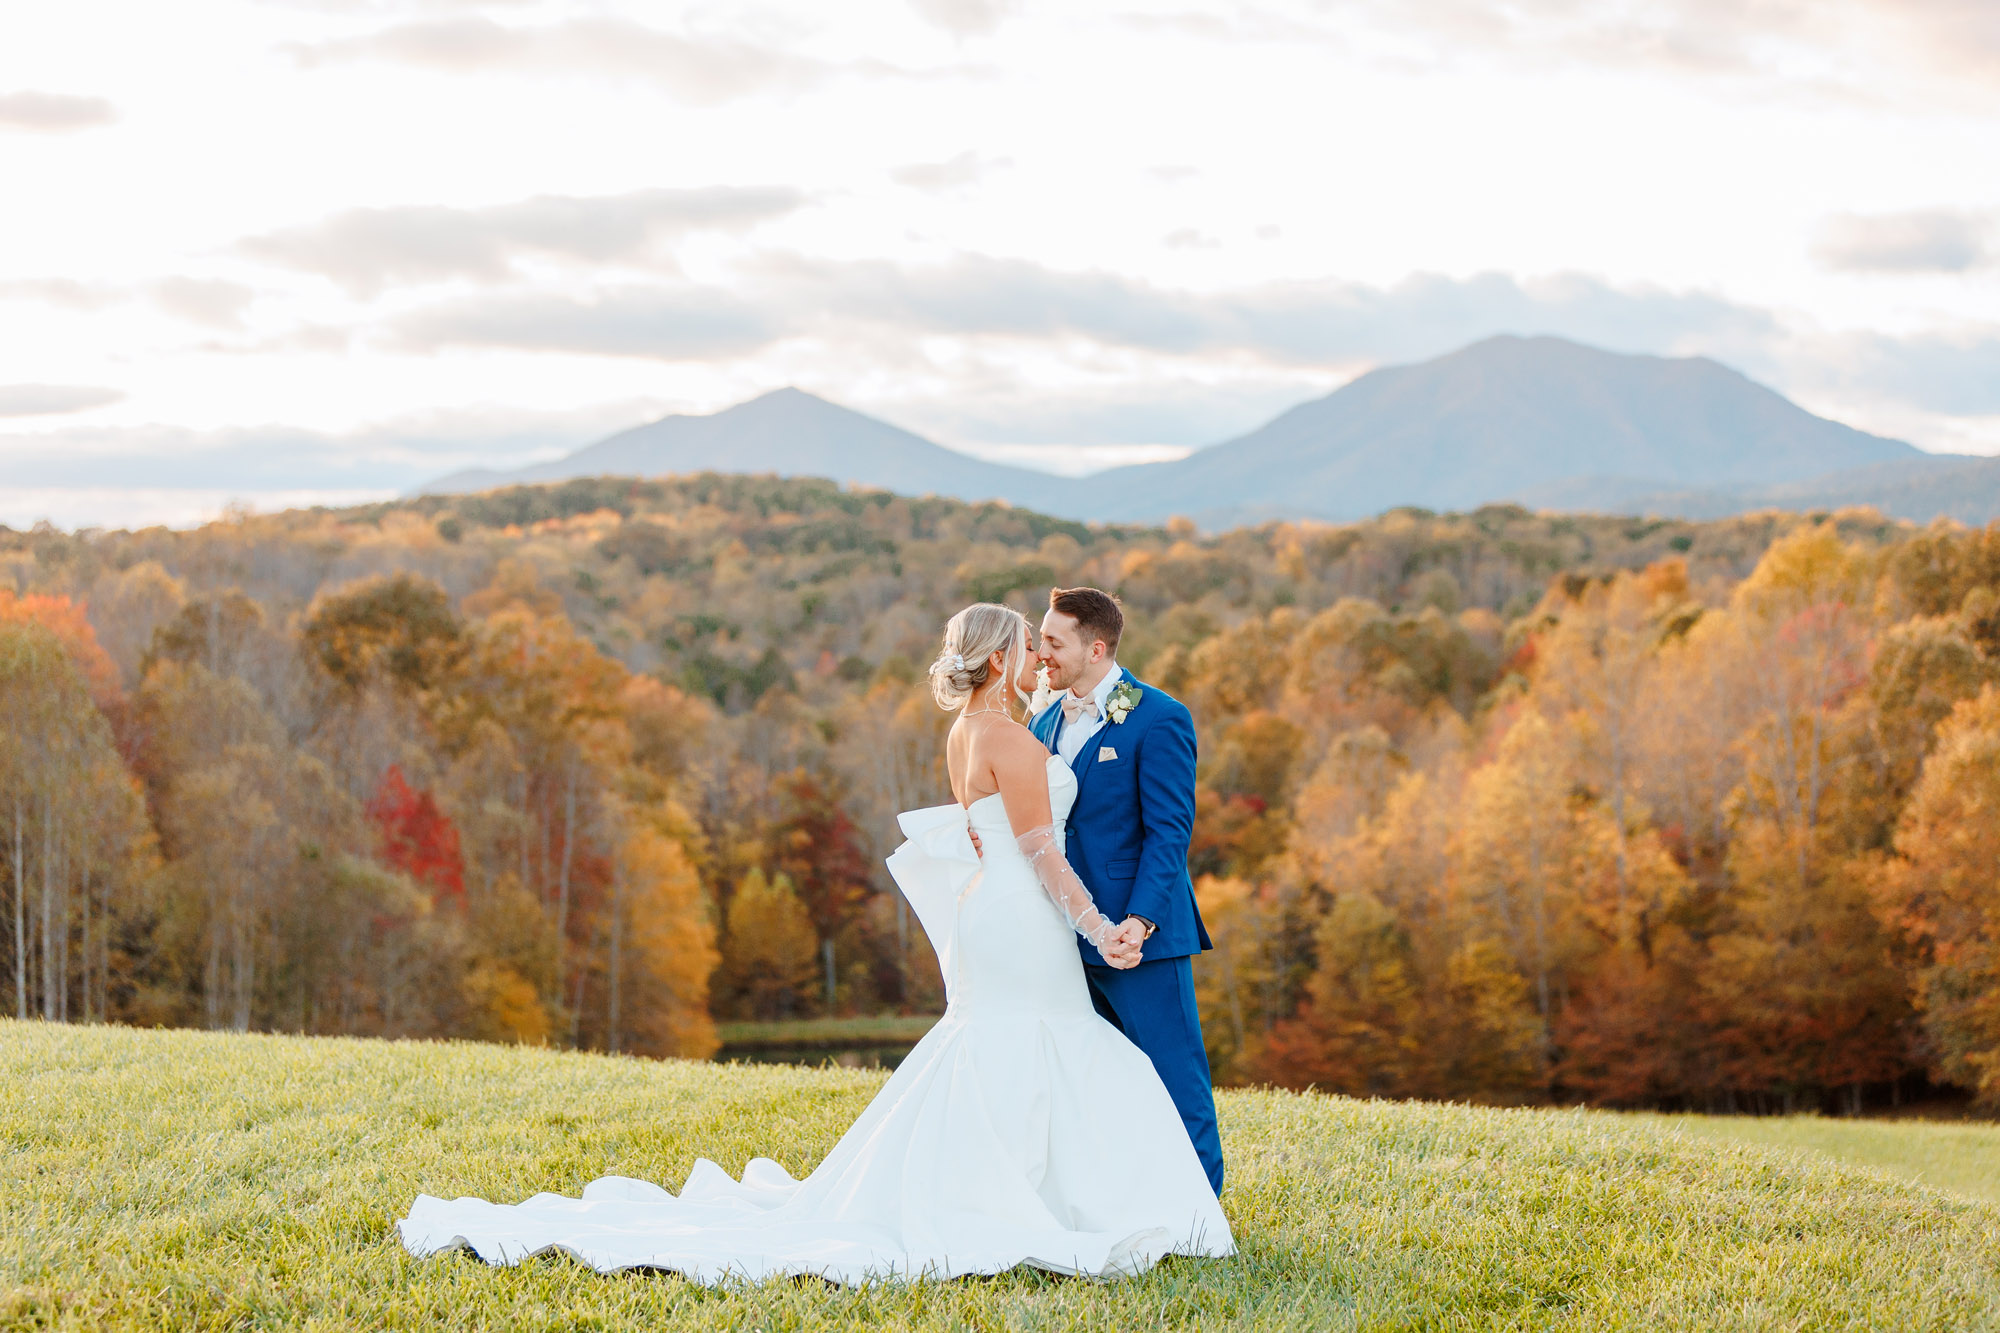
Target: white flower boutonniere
<point x="1043" y="695"/>
<point x="1123" y="700"/>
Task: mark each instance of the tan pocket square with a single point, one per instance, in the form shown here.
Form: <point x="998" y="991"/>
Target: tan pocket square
<point x="1105" y="754"/>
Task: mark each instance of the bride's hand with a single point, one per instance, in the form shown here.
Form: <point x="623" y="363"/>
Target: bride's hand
<point x="1135" y="933"/>
<point x="1125" y="947"/>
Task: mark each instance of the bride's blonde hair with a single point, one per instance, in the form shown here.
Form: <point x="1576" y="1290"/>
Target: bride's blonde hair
<point x="970" y="638"/>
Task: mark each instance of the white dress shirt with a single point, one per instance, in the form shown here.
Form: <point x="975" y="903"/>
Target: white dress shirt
<point x="1070" y="740"/>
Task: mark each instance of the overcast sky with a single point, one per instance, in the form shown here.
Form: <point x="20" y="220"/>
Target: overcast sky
<point x="279" y="252"/>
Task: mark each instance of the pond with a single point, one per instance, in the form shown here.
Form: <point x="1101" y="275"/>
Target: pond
<point x="847" y="1057"/>
<point x="879" y="1041"/>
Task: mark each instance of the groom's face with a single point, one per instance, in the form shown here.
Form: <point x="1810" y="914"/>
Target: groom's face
<point x="1063" y="651"/>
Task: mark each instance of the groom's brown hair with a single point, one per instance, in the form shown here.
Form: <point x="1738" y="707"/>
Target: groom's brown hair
<point x="1095" y="612"/>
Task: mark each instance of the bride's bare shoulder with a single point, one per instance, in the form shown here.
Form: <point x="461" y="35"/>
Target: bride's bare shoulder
<point x="1013" y="750"/>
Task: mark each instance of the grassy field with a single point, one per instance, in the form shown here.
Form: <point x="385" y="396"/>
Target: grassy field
<point x="1960" y="1159"/>
<point x="179" y="1180"/>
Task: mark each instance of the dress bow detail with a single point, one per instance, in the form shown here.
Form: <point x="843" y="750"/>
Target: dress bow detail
<point x="932" y="869"/>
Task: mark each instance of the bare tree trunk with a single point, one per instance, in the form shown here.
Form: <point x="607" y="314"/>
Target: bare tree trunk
<point x="521" y="838"/>
<point x="576" y="1005"/>
<point x="242" y="970"/>
<point x="211" y="999"/>
<point x="542" y="864"/>
<point x="48" y="906"/>
<point x="20" y="920"/>
<point x="62" y="948"/>
<point x="1539" y="916"/>
<point x="826" y="951"/>
<point x="83" y="947"/>
<point x="1235" y="999"/>
<point x="617" y="957"/>
<point x="562" y="873"/>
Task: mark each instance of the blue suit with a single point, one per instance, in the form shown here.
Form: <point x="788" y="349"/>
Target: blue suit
<point x="1128" y="842"/>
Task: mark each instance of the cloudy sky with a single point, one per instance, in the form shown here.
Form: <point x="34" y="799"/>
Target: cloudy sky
<point x="322" y="249"/>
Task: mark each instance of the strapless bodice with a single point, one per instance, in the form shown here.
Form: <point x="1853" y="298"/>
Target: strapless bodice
<point x="989" y="813"/>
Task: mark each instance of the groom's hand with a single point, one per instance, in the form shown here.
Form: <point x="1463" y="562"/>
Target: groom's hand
<point x="1129" y="940"/>
<point x="978" y="847"/>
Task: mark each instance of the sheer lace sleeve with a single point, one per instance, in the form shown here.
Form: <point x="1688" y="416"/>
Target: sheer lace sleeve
<point x="1065" y="890"/>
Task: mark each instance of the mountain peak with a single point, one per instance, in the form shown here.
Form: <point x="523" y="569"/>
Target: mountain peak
<point x="789" y="393"/>
<point x="791" y="433"/>
<point x="1508" y="418"/>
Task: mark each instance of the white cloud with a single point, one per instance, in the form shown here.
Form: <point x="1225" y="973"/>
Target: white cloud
<point x="1955" y="373"/>
<point x="38" y="400"/>
<point x="673" y="323"/>
<point x="697" y="70"/>
<point x="968" y="168"/>
<point x="1803" y="47"/>
<point x="210" y="302"/>
<point x="368" y="249"/>
<point x="64" y="293"/>
<point x="245" y="461"/>
<point x="966" y="18"/>
<point x="894" y="310"/>
<point x="1325" y="321"/>
<point x="53" y="113"/>
<point x="1936" y="241"/>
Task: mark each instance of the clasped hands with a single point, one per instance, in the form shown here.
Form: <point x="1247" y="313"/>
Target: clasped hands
<point x="1125" y="946"/>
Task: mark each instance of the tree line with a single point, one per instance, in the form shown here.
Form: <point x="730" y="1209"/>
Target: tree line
<point x="1497" y="805"/>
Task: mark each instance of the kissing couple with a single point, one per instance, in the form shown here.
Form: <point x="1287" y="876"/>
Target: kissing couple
<point x="1059" y="1115"/>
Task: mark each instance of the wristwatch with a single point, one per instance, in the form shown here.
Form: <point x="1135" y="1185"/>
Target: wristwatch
<point x="1150" y="927"/>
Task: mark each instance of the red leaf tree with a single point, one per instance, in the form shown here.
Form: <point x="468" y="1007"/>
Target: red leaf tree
<point x="414" y="836"/>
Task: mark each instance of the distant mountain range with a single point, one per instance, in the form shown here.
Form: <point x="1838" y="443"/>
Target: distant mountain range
<point x="791" y="433"/>
<point x="1539" y="421"/>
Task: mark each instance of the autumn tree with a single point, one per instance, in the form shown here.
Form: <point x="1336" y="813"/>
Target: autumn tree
<point x="75" y="845"/>
<point x="770" y="951"/>
<point x="414" y="836"/>
<point x="659" y="949"/>
<point x="817" y="848"/>
<point x="1942" y="893"/>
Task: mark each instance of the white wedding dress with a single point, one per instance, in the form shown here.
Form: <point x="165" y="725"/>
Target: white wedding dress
<point x="1023" y="1129"/>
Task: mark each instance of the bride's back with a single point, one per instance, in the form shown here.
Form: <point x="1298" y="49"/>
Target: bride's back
<point x="993" y="755"/>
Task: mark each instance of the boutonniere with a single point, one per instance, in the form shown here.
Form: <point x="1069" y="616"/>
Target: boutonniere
<point x="1123" y="700"/>
<point x="1043" y="695"/>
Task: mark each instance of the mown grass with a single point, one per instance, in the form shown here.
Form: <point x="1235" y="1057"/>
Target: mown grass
<point x="881" y="1030"/>
<point x="1957" y="1158"/>
<point x="179" y="1180"/>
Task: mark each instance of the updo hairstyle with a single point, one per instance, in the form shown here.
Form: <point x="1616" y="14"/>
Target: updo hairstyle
<point x="970" y="638"/>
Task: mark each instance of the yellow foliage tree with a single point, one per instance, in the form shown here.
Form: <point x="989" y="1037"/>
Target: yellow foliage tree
<point x="770" y="951"/>
<point x="662" y="950"/>
<point x="1942" y="892"/>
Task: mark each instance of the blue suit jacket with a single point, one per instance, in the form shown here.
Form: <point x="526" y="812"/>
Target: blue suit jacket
<point x="1133" y="818"/>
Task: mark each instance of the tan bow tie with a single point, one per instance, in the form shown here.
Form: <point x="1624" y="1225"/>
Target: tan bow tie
<point x="1074" y="708"/>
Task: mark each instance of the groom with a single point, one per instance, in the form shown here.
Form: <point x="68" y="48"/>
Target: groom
<point x="1132" y="748"/>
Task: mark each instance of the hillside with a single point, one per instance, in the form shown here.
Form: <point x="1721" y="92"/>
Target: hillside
<point x="789" y="433"/>
<point x="1542" y="421"/>
<point x="1920" y="489"/>
<point x="535" y="763"/>
<point x="196" y="1180"/>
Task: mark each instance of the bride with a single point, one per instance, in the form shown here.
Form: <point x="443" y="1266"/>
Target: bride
<point x="1023" y="1128"/>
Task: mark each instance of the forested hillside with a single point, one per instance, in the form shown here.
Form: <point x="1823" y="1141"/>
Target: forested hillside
<point x="1494" y="805"/>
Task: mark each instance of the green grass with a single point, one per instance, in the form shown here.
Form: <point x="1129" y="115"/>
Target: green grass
<point x="180" y="1180"/>
<point x="1960" y="1159"/>
<point x="883" y="1030"/>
